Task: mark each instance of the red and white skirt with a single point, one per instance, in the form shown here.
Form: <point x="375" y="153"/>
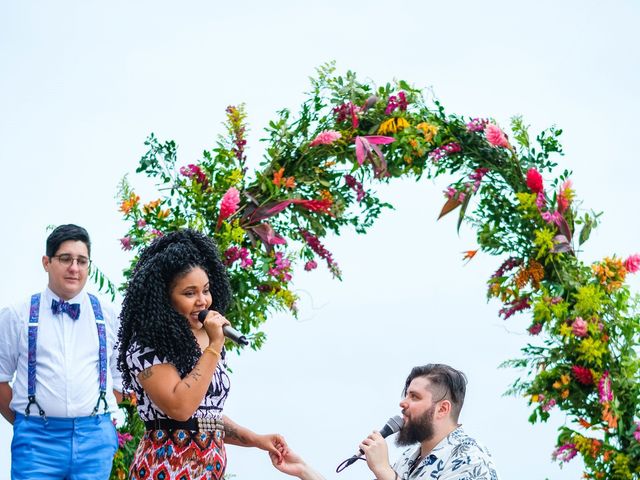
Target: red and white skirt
<point x="179" y="455"/>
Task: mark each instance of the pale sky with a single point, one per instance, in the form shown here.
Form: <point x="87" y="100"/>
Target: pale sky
<point x="83" y="83"/>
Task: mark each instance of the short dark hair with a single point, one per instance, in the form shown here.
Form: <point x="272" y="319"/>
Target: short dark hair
<point x="66" y="232"/>
<point x="446" y="380"/>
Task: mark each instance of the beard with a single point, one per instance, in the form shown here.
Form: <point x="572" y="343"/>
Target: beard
<point x="418" y="430"/>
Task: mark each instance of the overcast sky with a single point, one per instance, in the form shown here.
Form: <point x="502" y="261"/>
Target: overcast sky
<point x="83" y="83"/>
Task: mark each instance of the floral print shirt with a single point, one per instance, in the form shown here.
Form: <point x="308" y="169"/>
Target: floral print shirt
<point x="456" y="457"/>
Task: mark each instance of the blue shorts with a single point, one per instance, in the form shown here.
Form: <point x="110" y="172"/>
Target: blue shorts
<point x="79" y="448"/>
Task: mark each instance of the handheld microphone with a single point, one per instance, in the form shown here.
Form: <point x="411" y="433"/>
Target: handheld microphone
<point x="229" y="332"/>
<point x="393" y="425"/>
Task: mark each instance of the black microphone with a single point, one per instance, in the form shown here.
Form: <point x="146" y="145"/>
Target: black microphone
<point x="230" y="332"/>
<point x="393" y="425"/>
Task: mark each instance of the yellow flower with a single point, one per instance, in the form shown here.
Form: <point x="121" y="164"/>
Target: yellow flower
<point x="392" y="125"/>
<point x="565" y="379"/>
<point x="164" y="213"/>
<point x="237" y="232"/>
<point x="428" y="130"/>
<point x="235" y="176"/>
<point x="565" y="330"/>
<point x="402" y="123"/>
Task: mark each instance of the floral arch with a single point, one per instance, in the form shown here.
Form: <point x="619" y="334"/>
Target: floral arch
<point x="316" y="178"/>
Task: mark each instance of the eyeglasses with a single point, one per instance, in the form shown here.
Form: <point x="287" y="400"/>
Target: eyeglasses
<point x="67" y="260"/>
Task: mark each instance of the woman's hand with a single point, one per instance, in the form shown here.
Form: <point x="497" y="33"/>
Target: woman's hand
<point x="273" y="443"/>
<point x="213" y="324"/>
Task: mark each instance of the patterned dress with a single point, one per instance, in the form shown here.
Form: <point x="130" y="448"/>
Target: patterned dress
<point x="180" y="454"/>
<point x="456" y="457"/>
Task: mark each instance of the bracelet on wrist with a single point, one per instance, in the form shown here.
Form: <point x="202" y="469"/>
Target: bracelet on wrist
<point x="210" y="349"/>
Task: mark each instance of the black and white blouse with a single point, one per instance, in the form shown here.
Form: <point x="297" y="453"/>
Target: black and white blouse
<point x="141" y="358"/>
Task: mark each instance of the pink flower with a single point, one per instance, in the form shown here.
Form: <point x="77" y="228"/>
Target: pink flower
<point x="439" y="153"/>
<point x="477" y="125"/>
<point x="194" y="172"/>
<point x="320" y="250"/>
<point x="142" y="223"/>
<point x="123" y="438"/>
<point x="229" y="204"/>
<point x="310" y="265"/>
<point x="355" y="185"/>
<point x="579" y="327"/>
<point x="534" y="180"/>
<point x="565" y="453"/>
<point x="495" y="136"/>
<point x="636" y="434"/>
<point x="450" y="192"/>
<point x="549" y="405"/>
<point x="632" y="264"/>
<point x="326" y="138"/>
<point x="281" y="268"/>
<point x="604" y="388"/>
<point x="535" y="329"/>
<point x="126" y="243"/>
<point x="234" y="253"/>
<point x="348" y="111"/>
<point x="564" y="197"/>
<point x="551" y="217"/>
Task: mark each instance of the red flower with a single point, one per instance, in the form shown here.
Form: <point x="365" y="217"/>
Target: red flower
<point x="534" y="180"/>
<point x="322" y="206"/>
<point x="582" y="374"/>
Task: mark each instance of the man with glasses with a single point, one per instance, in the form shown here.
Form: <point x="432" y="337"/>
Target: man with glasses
<point x="433" y="397"/>
<point x="59" y="344"/>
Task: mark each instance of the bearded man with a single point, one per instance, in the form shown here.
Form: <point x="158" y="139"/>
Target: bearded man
<point x="433" y="397"/>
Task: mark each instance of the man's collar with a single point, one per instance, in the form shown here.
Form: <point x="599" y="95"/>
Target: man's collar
<point x="50" y="294"/>
<point x="452" y="439"/>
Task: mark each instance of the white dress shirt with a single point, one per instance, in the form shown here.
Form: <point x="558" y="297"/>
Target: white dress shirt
<point x="67" y="358"/>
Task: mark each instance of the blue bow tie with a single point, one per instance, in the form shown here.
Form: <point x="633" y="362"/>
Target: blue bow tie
<point x="71" y="309"/>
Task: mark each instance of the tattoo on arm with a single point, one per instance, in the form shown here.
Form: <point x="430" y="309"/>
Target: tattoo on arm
<point x="195" y="374"/>
<point x="146" y="373"/>
<point x="231" y="432"/>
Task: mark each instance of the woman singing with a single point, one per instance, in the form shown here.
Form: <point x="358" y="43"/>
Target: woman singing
<point x="176" y="365"/>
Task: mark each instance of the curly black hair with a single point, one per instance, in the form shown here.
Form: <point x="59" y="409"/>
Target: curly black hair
<point x="147" y="316"/>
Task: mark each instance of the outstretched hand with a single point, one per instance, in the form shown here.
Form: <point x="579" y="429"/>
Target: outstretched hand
<point x="274" y="443"/>
<point x="288" y="462"/>
<point x="292" y="464"/>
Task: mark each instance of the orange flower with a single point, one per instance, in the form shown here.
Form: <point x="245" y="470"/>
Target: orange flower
<point x="164" y="213"/>
<point x="584" y="423"/>
<point x="129" y="203"/>
<point x="428" y="130"/>
<point x="277" y="177"/>
<point x="609" y="417"/>
<point x="326" y="195"/>
<point x="565" y="394"/>
<point x="279" y="181"/>
<point x="469" y="254"/>
<point x="151" y="206"/>
<point x="290" y="182"/>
